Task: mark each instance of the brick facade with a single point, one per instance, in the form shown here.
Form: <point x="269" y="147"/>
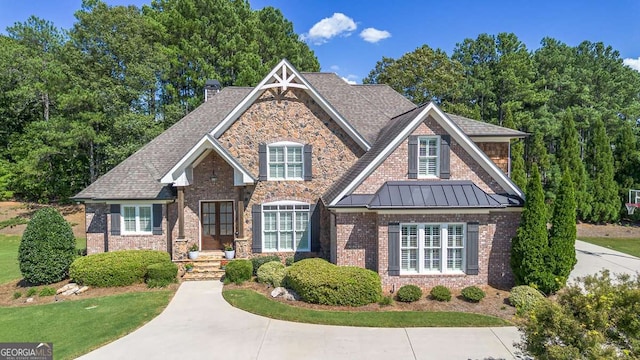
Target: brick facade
<point x="362" y="238"/>
<point x="395" y="167"/>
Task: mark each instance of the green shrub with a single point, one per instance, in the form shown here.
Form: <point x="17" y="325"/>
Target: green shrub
<point x="238" y="271"/>
<point x="525" y="298"/>
<point x="47" y="249"/>
<point x="258" y="261"/>
<point x="473" y="294"/>
<point x="31" y="292"/>
<point x="320" y="282"/>
<point x="47" y="291"/>
<point x="409" y="293"/>
<point x="386" y="300"/>
<point x="161" y="274"/>
<point x="271" y="273"/>
<point x="17" y="295"/>
<point x="118" y="268"/>
<point x="441" y="293"/>
<point x="289" y="260"/>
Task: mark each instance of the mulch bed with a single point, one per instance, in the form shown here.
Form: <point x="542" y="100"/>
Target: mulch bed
<point x="496" y="303"/>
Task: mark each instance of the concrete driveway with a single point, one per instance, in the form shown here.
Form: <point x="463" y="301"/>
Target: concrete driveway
<point x="200" y="324"/>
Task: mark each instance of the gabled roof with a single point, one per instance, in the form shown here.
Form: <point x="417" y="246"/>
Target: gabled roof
<point x="398" y="130"/>
<point x="475" y="128"/>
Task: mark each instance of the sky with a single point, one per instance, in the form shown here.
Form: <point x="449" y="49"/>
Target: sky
<point x="350" y="37"/>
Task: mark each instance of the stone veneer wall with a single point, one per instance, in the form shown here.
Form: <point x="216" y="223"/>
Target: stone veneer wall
<point x="359" y="234"/>
<point x="498" y="152"/>
<point x="98" y="220"/>
<point x="395" y="167"/>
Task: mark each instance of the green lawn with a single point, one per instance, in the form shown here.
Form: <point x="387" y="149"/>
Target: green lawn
<point x="9" y="269"/>
<point x="76" y="327"/>
<point x="256" y="303"/>
<point x="629" y="246"/>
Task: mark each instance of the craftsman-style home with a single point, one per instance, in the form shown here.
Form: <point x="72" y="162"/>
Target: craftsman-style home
<point x="307" y="164"/>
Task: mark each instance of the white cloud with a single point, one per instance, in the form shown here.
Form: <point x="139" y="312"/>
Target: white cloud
<point x="350" y="79"/>
<point x="632" y="63"/>
<point x="334" y="67"/>
<point x="374" y="35"/>
<point x="325" y="29"/>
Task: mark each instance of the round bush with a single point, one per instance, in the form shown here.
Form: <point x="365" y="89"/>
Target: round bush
<point x="258" y="261"/>
<point x="409" y="293"/>
<point x="473" y="294"/>
<point x="161" y="274"/>
<point x="441" y="293"/>
<point x="47" y="248"/>
<point x="238" y="271"/>
<point x="320" y="282"/>
<point x="118" y="268"/>
<point x="524" y="298"/>
<point x="271" y="273"/>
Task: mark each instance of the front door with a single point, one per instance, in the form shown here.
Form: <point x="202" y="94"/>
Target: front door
<point x="216" y="219"/>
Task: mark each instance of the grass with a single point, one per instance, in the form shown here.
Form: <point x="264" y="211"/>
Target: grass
<point x="18" y="220"/>
<point x="77" y="327"/>
<point x="9" y="269"/>
<point x="629" y="246"/>
<point x="258" y="304"/>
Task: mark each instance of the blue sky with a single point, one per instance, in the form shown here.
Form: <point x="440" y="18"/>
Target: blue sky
<point x="349" y="37"/>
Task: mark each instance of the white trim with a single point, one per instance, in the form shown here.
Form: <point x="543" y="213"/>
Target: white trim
<point x="498" y="139"/>
<point x="137" y="231"/>
<point x="437" y="157"/>
<point x="285" y="145"/>
<point x="444" y="233"/>
<point x="293" y="225"/>
<point x="200" y="218"/>
<point x="195" y="155"/>
<point x="272" y="80"/>
<point x="129" y="202"/>
<point x="456" y="133"/>
<point x="447" y="211"/>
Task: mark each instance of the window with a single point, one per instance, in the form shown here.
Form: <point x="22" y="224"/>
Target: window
<point x="285" y="227"/>
<point x="285" y="161"/>
<point x="422" y="249"/>
<point x="428" y="156"/>
<point x="136" y="219"/>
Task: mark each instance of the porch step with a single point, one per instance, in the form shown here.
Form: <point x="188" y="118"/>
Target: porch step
<point x="196" y="276"/>
<point x="210" y="255"/>
<point x="205" y="267"/>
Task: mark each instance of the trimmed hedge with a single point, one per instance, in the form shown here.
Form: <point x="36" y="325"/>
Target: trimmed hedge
<point x="409" y="293"/>
<point x="161" y="274"/>
<point x="272" y="273"/>
<point x="258" y="261"/>
<point x="441" y="293"/>
<point x="320" y="282"/>
<point x="47" y="248"/>
<point x="238" y="271"/>
<point x="118" y="268"/>
<point x="524" y="298"/>
<point x="473" y="294"/>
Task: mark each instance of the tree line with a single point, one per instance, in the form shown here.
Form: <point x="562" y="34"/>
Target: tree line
<point x="580" y="105"/>
<point x="74" y="103"/>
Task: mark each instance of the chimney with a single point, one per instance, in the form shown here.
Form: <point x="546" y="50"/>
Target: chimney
<point x="211" y="87"/>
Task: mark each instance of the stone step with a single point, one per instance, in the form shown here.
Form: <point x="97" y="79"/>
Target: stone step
<point x="209" y="275"/>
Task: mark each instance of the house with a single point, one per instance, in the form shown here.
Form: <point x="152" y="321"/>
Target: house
<point x="307" y="164"/>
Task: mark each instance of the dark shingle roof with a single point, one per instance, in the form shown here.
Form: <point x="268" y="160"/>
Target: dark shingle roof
<point x="478" y="128"/>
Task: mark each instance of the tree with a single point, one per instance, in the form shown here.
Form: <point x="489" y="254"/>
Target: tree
<point x="596" y="318"/>
<point x="47" y="248"/>
<point x="627" y="162"/>
<point x="568" y="157"/>
<point x="562" y="235"/>
<point x="606" y="203"/>
<point x="530" y="245"/>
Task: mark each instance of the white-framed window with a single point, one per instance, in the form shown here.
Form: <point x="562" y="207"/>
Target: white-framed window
<point x="137" y="219"/>
<point x="432" y="248"/>
<point x="285" y="227"/>
<point x="428" y="156"/>
<point x="285" y="161"/>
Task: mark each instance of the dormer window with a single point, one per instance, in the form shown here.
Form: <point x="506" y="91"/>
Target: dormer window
<point x="428" y="156"/>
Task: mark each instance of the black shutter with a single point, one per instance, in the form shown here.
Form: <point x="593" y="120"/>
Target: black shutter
<point x="307" y="162"/>
<point x="262" y="162"/>
<point x="394" y="249"/>
<point x="115" y="219"/>
<point x="157" y="219"/>
<point x="445" y="140"/>
<point x="314" y="211"/>
<point x="413" y="157"/>
<point x="256" y="228"/>
<point x="472" y="248"/>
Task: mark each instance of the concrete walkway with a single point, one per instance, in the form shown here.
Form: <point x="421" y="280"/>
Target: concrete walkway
<point x="200" y="324"/>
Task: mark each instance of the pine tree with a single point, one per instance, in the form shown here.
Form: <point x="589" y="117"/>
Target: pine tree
<point x="530" y="245"/>
<point x="568" y="157"/>
<point x="518" y="171"/>
<point x="562" y="236"/>
<point x="606" y="204"/>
